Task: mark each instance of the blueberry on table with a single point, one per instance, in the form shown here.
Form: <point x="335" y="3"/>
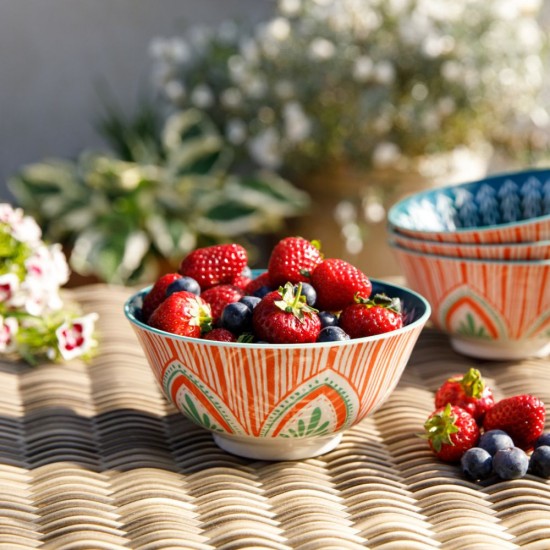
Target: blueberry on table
<point x="236" y="317"/>
<point x="477" y="463"/>
<point x="328" y="319"/>
<point x="539" y="464"/>
<point x="544" y="439"/>
<point x="510" y="463"/>
<point x="184" y="283"/>
<point x="332" y="334"/>
<point x="262" y="291"/>
<point x="495" y="440"/>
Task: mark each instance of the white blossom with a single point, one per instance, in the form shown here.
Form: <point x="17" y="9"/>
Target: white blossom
<point x="264" y="148"/>
<point x="321" y="49"/>
<point x="236" y="131"/>
<point x="8" y="331"/>
<point x="297" y="123"/>
<point x="202" y="96"/>
<point x="363" y="68"/>
<point x="385" y="154"/>
<point x="75" y="338"/>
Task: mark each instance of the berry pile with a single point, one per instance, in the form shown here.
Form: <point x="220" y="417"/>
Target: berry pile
<point x="488" y="438"/>
<point x="301" y="298"/>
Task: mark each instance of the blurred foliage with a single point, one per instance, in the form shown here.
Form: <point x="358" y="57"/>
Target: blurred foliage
<point x="165" y="189"/>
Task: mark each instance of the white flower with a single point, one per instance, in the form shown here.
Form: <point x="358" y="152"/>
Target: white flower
<point x="236" y="131"/>
<point x="202" y="96"/>
<point x="290" y="7"/>
<point x="174" y="90"/>
<point x="231" y="98"/>
<point x="9" y="286"/>
<point x="277" y="29"/>
<point x="384" y="72"/>
<point x="264" y="148"/>
<point x="8" y="330"/>
<point x="75" y="338"/>
<point x="385" y="154"/>
<point x="22" y="228"/>
<point x="297" y="123"/>
<point x="321" y="49"/>
<point x="363" y="68"/>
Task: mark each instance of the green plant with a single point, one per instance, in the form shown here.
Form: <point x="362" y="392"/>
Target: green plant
<point x="370" y="83"/>
<point x="165" y="189"/>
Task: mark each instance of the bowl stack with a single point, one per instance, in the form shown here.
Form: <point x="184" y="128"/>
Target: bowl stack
<point x="480" y="253"/>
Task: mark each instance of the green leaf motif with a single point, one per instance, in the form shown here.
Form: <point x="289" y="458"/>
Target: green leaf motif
<point x="314" y="427"/>
<point x="191" y="411"/>
<point x="469" y="328"/>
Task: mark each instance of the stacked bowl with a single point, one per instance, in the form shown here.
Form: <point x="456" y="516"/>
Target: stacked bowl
<point x="480" y="253"/>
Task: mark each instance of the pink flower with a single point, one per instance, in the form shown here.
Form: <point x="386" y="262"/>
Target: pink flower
<point x="75" y="338"/>
<point x="9" y="285"/>
<point x="8" y="330"/>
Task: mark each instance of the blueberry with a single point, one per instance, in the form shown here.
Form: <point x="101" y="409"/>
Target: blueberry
<point x="309" y="292"/>
<point x="328" y="319"/>
<point x="510" y="463"/>
<point x="332" y="334"/>
<point x="236" y="317"/>
<point x="184" y="283"/>
<point x="544" y="439"/>
<point x="262" y="291"/>
<point x="495" y="440"/>
<point x="250" y="301"/>
<point x="477" y="463"/>
<point x="540" y="461"/>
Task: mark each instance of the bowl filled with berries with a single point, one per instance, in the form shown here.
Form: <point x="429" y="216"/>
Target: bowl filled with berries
<point x="276" y="363"/>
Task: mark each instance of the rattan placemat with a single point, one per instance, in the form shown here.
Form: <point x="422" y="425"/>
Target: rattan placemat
<point x="92" y="457"/>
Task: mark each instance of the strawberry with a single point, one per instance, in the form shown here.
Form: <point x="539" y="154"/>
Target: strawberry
<point x="284" y="317"/>
<point x="367" y="317"/>
<point x="450" y="432"/>
<point x="214" y="265"/>
<point x="292" y="260"/>
<point x="521" y="417"/>
<point x="220" y="335"/>
<point x="261" y="281"/>
<point x="241" y="281"/>
<point x="182" y="313"/>
<point x="157" y="294"/>
<point x="219" y="296"/>
<point x="468" y="391"/>
<point x="337" y="282"/>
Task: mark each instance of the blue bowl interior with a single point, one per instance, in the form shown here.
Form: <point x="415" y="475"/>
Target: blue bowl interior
<point x="494" y="201"/>
<point x="415" y="308"/>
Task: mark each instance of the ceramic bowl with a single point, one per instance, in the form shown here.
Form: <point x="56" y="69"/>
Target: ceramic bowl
<point x="509" y="251"/>
<point x="491" y="309"/>
<point x="507" y="208"/>
<point x="280" y="402"/>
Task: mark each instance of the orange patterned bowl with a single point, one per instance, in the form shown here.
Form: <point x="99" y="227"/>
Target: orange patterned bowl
<point x="491" y="309"/>
<point x="538" y="250"/>
<point x="280" y="402"/>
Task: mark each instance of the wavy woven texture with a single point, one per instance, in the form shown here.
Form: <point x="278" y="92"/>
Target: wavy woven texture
<point x="92" y="457"/>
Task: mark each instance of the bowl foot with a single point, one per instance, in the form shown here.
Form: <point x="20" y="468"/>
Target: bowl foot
<point x="501" y="351"/>
<point x="277" y="448"/>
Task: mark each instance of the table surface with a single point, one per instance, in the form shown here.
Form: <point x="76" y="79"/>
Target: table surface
<point x="92" y="456"/>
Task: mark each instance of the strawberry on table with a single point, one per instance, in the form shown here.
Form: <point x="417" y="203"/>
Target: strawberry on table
<point x="219" y="296"/>
<point x="214" y="265"/>
<point x="522" y="417"/>
<point x="220" y="335"/>
<point x="157" y="294"/>
<point x="293" y="259"/>
<point x="261" y="284"/>
<point x="284" y="317"/>
<point x="450" y="432"/>
<point x="337" y="282"/>
<point x="182" y="313"/>
<point x="367" y="317"/>
<point x="468" y="391"/>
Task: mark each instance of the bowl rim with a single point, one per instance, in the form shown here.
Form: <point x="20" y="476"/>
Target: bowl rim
<point x="393" y="233"/>
<point x="446" y="189"/>
<point x="539" y="263"/>
<point x="418" y="323"/>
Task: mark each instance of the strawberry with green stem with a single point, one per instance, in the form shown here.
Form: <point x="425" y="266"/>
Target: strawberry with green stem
<point x="367" y="317"/>
<point x="284" y="317"/>
<point x="450" y="432"/>
<point x="468" y="391"/>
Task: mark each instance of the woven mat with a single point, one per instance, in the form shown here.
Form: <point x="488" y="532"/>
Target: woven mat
<point x="91" y="456"/>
